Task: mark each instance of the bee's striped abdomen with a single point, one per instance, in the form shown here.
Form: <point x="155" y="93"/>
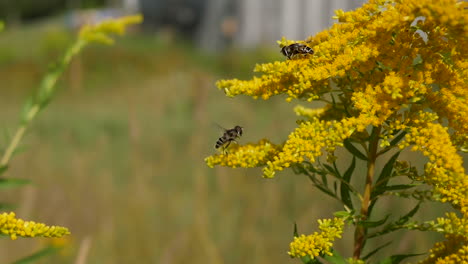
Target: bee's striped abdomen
<point x="220" y="142"/>
<point x="229" y="136"/>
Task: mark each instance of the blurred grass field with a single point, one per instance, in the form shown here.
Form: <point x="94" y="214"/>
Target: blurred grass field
<point x="117" y="157"/>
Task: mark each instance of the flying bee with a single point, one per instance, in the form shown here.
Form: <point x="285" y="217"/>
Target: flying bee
<point x="230" y="135"/>
<point x="296" y="49"/>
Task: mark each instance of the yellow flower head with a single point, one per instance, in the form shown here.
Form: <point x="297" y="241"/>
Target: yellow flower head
<point x="317" y="244"/>
<point x="247" y="156"/>
<point x="15" y="227"/>
<point x="101" y="32"/>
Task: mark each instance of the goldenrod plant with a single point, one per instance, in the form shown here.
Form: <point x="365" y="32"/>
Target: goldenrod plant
<point x="391" y="77"/>
<point x="10" y="225"/>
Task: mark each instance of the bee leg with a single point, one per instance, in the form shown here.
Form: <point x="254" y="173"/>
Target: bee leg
<point x="227" y="145"/>
<point x="225" y="148"/>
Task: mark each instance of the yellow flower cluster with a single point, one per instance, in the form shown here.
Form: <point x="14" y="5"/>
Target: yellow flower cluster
<point x="453" y="225"/>
<point x="100" y="32"/>
<point x="14" y="227"/>
<point x="308" y="140"/>
<point x="452" y="251"/>
<point x="317" y="244"/>
<point x="383" y="62"/>
<point x="325" y="113"/>
<point x="445" y="169"/>
<point x="309" y="112"/>
<point x="247" y="156"/>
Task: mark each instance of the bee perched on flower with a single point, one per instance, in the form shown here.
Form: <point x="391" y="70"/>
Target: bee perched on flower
<point x="229" y="135"/>
<point x="296" y="49"/>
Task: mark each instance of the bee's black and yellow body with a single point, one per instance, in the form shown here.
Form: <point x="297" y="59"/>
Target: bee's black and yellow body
<point x="296" y="49"/>
<point x="230" y="135"/>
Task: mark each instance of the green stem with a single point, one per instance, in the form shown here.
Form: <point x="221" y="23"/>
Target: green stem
<point x="360" y="232"/>
<point x="12" y="146"/>
<point x="46" y="91"/>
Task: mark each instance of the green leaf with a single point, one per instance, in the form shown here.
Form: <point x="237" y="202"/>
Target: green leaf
<point x="295" y="233"/>
<point x="324" y="180"/>
<point x="400" y="187"/>
<point x="371" y="224"/>
<point x="335" y="259"/>
<point x="404" y="219"/>
<point x="12" y="183"/>
<point x="35" y="256"/>
<point x="397" y="224"/>
<point x="298" y="169"/>
<point x="376" y="250"/>
<point x="344" y="187"/>
<point x="3" y="168"/>
<point x="353" y="150"/>
<point x="7" y="207"/>
<point x="384" y="177"/>
<point x="308" y="260"/>
<point x="342" y="214"/>
<point x="397" y="139"/>
<point x="394" y="141"/>
<point x="325" y="190"/>
<point x="395" y="259"/>
<point x="330" y="169"/>
<point x="26" y="110"/>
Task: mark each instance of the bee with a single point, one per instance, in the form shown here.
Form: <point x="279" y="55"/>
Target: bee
<point x="230" y="135"/>
<point x="296" y="49"/>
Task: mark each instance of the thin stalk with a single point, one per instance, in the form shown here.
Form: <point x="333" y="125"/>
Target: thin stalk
<point x="45" y="93"/>
<point x="13" y="144"/>
<point x="361" y="231"/>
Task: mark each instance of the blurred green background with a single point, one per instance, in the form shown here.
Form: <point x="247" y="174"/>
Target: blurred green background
<point x="118" y="156"/>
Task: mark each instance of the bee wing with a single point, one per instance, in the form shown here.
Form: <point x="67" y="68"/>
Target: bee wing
<point x="222" y="128"/>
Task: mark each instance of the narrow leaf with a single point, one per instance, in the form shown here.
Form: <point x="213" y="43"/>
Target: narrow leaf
<point x="12" y="183"/>
<point x="7" y="207"/>
<point x="295" y="233"/>
<point x="3" y="168"/>
<point x="376" y="250"/>
<point x="344" y="187"/>
<point x="330" y="169"/>
<point x="337" y="171"/>
<point x="308" y="260"/>
<point x="396" y="259"/>
<point x="397" y="139"/>
<point x="353" y="150"/>
<point x="325" y="190"/>
<point x="26" y="110"/>
<point x="335" y="259"/>
<point x="384" y="176"/>
<point x="34" y="257"/>
<point x="397" y="225"/>
<point x="383" y="179"/>
<point x="324" y="180"/>
<point x="404" y="219"/>
<point x="400" y="187"/>
<point x="371" y="224"/>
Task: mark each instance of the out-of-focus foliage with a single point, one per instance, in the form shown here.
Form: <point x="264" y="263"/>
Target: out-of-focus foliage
<point x="29" y="9"/>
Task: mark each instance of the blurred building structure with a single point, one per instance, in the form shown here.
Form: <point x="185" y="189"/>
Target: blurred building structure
<point x="213" y="24"/>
